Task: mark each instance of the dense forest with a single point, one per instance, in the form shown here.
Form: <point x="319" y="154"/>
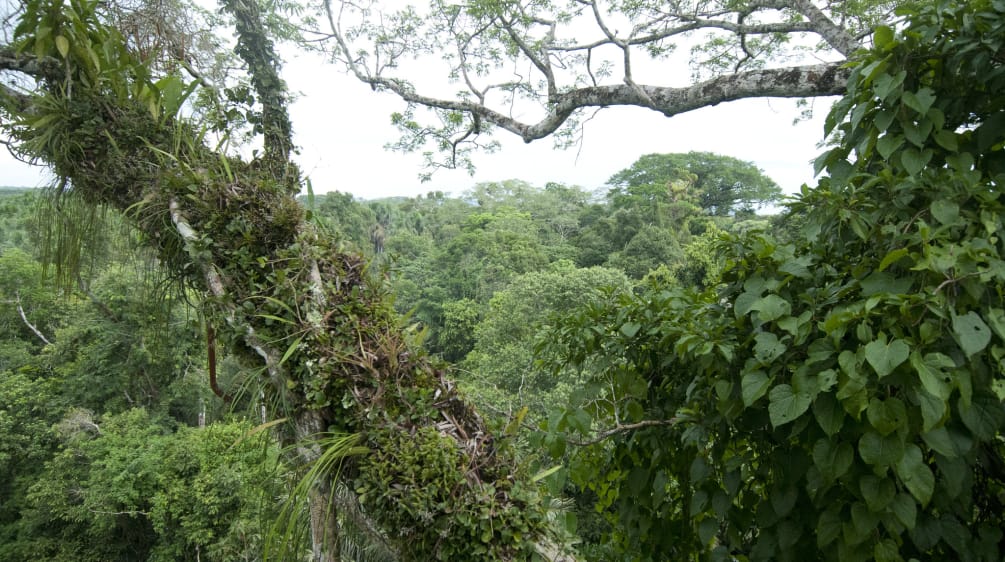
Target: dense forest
<point x="110" y="415"/>
<point x="199" y="362"/>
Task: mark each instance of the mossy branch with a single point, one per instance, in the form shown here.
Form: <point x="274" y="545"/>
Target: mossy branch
<point x="214" y="282"/>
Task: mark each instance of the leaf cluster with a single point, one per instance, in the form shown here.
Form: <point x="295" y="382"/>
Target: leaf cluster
<point x="841" y="396"/>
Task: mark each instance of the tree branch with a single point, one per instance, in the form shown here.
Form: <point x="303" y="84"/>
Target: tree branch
<point x="24" y="318"/>
<point x="256" y="49"/>
<point x="794" y="82"/>
<point x="216" y="287"/>
<point x="39" y="68"/>
<point x="835" y="36"/>
<point x="622" y="428"/>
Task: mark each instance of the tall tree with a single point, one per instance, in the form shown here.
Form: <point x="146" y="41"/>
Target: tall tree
<point x="720" y="185"/>
<point x="552" y="61"/>
<point x="286" y="298"/>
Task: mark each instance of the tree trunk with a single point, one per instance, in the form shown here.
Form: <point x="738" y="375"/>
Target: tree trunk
<point x="435" y="480"/>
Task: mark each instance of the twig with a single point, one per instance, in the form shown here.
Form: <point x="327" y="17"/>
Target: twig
<point x="622" y="429"/>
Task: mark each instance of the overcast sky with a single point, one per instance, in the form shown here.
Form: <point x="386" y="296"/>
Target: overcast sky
<point x="342" y="126"/>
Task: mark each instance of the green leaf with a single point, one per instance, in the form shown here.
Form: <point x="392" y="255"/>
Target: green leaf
<point x="887" y="84"/>
<point x="753" y="386"/>
<point x="933" y="409"/>
<point x="879" y="282"/>
<point x="62" y="45"/>
<point x="918" y="134"/>
<point x="863" y="521"/>
<point x="879" y="450"/>
<point x="882" y="37"/>
<point x="947" y="140"/>
<point x="828" y="414"/>
<point x="786" y="405"/>
<point x="920" y="101"/>
<point x="885" y="357"/>
<point x="971" y="333"/>
<point x="888" y="144"/>
<point x="983" y="416"/>
<point x="771" y="307"/>
<point x="290" y="350"/>
<point x="946" y="212"/>
<point x="916" y="475"/>
<point x="887" y="416"/>
<point x="954" y="473"/>
<point x="833" y="461"/>
<point x="877" y="491"/>
<point x="545" y="473"/>
<point x="886" y="550"/>
<point x="742" y="304"/>
<point x="798" y="267"/>
<point x="932" y="378"/>
<point x="829" y="525"/>
<point x="848" y="362"/>
<point x="275" y="318"/>
<point x="768" y="348"/>
<point x="629" y="329"/>
<point x="948" y="443"/>
<point x="892" y="258"/>
<point x="914" y="161"/>
<point x="905" y="510"/>
<point x="996" y="317"/>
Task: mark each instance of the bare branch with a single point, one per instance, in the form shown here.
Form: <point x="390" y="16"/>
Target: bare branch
<point x="622" y="428"/>
<point x="24" y="318"/>
<point x="835" y="36"/>
<point x="694" y="25"/>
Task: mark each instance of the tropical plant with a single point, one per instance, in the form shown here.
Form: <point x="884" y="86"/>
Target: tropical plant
<point x="840" y="397"/>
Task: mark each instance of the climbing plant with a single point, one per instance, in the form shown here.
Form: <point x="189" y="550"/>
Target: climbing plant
<point x="840" y="398"/>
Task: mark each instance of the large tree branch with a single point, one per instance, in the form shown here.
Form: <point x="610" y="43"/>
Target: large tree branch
<point x="835" y="35"/>
<point x="214" y="282"/>
<point x="256" y="49"/>
<point x="44" y="67"/>
<point x="794" y="82"/>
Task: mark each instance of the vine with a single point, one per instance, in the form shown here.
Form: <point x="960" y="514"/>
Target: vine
<point x="841" y="397"/>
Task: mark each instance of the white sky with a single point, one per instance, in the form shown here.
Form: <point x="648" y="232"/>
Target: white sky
<point x="341" y="126"/>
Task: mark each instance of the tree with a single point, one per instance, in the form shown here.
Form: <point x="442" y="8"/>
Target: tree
<point x="304" y="313"/>
<point x="568" y="58"/>
<point x="721" y="185"/>
<point x="504" y="373"/>
<point x="841" y="397"/>
<point x="125" y="487"/>
<point x="650" y="248"/>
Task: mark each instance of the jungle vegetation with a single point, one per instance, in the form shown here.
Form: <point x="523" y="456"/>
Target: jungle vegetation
<point x="198" y="365"/>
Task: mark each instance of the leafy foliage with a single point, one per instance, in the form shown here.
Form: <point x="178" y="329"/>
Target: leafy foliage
<point x="841" y="397"/>
<point x="123" y="488"/>
<point x="720" y="185"/>
<point x="505" y="375"/>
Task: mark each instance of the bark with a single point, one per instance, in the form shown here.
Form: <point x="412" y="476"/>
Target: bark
<point x="321" y="501"/>
<point x="795" y="82"/>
